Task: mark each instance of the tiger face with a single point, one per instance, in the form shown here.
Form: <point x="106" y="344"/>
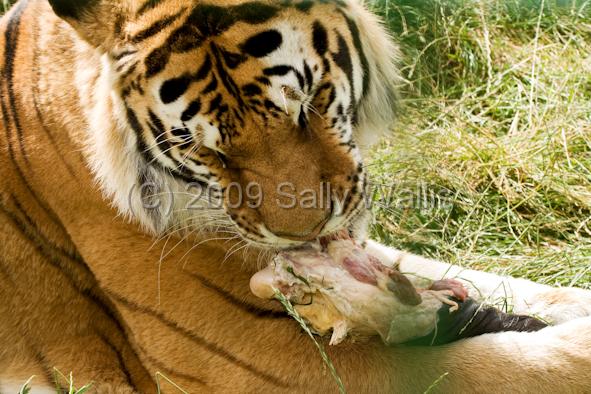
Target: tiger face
<point x="256" y="114"/>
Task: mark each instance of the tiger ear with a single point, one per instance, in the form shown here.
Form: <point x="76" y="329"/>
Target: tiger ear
<point x="96" y="21"/>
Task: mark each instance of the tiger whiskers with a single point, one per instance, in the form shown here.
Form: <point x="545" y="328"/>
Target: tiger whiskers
<point x="191" y="151"/>
<point x="235" y="249"/>
<point x="163" y="256"/>
<point x="197" y="232"/>
<point x="162" y="153"/>
<point x="169" y="139"/>
<point x="264" y="256"/>
<point x="221" y="226"/>
<point x="160" y="272"/>
<point x="308" y="106"/>
<point x="226" y="239"/>
<point x="302" y="97"/>
<point x="158" y="143"/>
<point x="284" y="98"/>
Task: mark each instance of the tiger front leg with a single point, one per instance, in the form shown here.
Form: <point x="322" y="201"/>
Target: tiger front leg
<point x="555" y="306"/>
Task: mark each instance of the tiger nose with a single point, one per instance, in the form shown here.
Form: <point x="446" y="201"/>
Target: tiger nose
<point x="311" y="236"/>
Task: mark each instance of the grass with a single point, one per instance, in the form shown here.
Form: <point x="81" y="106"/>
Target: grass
<point x="291" y="311"/>
<point x="64" y="384"/>
<point x="489" y="166"/>
<point x="5" y="5"/>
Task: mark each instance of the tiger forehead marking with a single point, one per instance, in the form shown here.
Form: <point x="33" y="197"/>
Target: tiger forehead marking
<point x="203" y="31"/>
<point x="264" y="92"/>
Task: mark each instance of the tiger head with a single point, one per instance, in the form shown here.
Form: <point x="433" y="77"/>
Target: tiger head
<point x="250" y="117"/>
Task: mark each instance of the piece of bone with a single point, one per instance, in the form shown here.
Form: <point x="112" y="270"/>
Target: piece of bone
<point x="349" y="293"/>
<point x="340" y="289"/>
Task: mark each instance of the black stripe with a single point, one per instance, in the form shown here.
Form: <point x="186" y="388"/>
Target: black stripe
<point x="206" y="20"/>
<point x="211" y="86"/>
<point x="251" y="89"/>
<point x="41" y="359"/>
<point x="135" y="125"/>
<point x="359" y="47"/>
<point x="244" y="306"/>
<point x="73" y="9"/>
<point x="203" y="70"/>
<point x="182" y="133"/>
<point x="118" y="25"/>
<point x="279" y="70"/>
<point x="272" y="107"/>
<point x="147" y="155"/>
<point x="263" y="80"/>
<point x="227" y="80"/>
<point x="169" y="371"/>
<point x="39" y="234"/>
<point x="52" y="253"/>
<point x="31" y="231"/>
<point x="343" y="60"/>
<point x="184" y="39"/>
<point x="262" y="44"/>
<point x="304" y="5"/>
<point x="156" y="61"/>
<point x="159" y="132"/>
<point x="308" y="75"/>
<point x="197" y="339"/>
<point x="212" y="20"/>
<point x="129" y="71"/>
<point x="232" y="60"/>
<point x="215" y="103"/>
<point x="174" y="88"/>
<point x="147" y="6"/>
<point x="120" y="360"/>
<point x="192" y="109"/>
<point x="187" y="177"/>
<point x="331" y="96"/>
<point x="121" y="55"/>
<point x="10" y="49"/>
<point x="162" y="143"/>
<point x="156" y="28"/>
<point x="282" y="70"/>
<point x="319" y="39"/>
<point x="39" y="114"/>
<point x="11" y="36"/>
<point x="5" y="272"/>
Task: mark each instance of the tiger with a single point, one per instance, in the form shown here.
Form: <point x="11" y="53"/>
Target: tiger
<point x="150" y="154"/>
